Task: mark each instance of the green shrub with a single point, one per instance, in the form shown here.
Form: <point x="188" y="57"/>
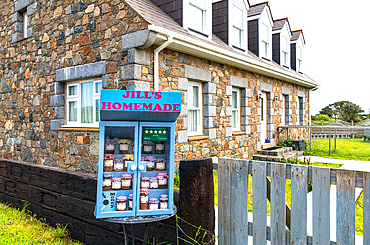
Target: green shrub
<point x="323" y="118"/>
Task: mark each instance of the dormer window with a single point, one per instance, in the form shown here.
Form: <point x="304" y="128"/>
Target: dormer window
<point x="281" y="35"/>
<point x="265" y="39"/>
<point x="285" y="51"/>
<point x="197" y="12"/>
<point x="197" y="17"/>
<point x="297" y="44"/>
<point x="299" y="58"/>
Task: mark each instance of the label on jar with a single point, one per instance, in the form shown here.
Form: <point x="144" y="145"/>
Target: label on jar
<point x="147" y="148"/>
<point x="153" y="206"/>
<point x="130" y="204"/>
<point x="126" y="183"/>
<point x="116" y="185"/>
<point x="121" y="206"/>
<point x="109" y="147"/>
<point x="107" y="182"/>
<point x="162" y="181"/>
<point x="143" y="199"/>
<point x="161" y="165"/>
<point x="150" y="164"/>
<point x="145" y="184"/>
<point x="108" y="163"/>
<point x="164" y="205"/>
<point x="154" y="185"/>
<point x="118" y="166"/>
<point x="123" y="147"/>
<point x="159" y="147"/>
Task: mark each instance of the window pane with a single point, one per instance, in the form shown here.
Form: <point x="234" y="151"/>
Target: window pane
<point x="234" y="119"/>
<point x="196" y="20"/>
<point x="265" y="33"/>
<point x="299" y="52"/>
<point x="72" y="111"/>
<point x="87" y="107"/>
<point x="266" y="49"/>
<point x="193" y="119"/>
<point x="72" y="90"/>
<point x="237" y="16"/>
<point x="98" y="87"/>
<point x="235" y="100"/>
<point x="97" y="110"/>
<point x="236" y="37"/>
<point x="195" y="96"/>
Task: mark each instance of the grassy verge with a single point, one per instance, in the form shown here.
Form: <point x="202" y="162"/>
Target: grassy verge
<point x="22" y="227"/>
<point x="349" y="149"/>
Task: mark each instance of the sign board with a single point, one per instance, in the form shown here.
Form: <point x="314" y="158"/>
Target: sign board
<point x="155" y="134"/>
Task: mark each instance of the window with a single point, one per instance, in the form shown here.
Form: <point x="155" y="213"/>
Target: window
<point x="265" y="34"/>
<point x="235" y="107"/>
<point x="197" y="11"/>
<point x="83" y="103"/>
<point x="299" y="58"/>
<point x="237" y="30"/>
<point x="284" y="110"/>
<point x="300" y="108"/>
<point x="285" y="51"/>
<point x="195" y="108"/>
<point x="25" y="24"/>
<point x="297" y="111"/>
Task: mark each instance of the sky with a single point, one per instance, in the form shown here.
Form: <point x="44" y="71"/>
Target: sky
<point x="336" y="50"/>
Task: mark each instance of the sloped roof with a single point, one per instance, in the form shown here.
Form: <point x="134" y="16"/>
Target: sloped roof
<point x="279" y="24"/>
<point x="257" y="9"/>
<point x="157" y="17"/>
<point x="295" y="35"/>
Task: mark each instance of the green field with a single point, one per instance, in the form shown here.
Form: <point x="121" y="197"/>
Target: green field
<point x="349" y="149"/>
<point x="22" y="227"/>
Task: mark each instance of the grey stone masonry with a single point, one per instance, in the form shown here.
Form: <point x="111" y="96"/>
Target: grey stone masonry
<point x="16" y="17"/>
<point x="59" y="88"/>
<point x="246" y="129"/>
<point x="18" y="27"/>
<point x="229" y="132"/>
<point x="57" y="100"/>
<point x="138" y="85"/>
<point x="29" y="32"/>
<point x="228" y="111"/>
<point x="245" y="111"/>
<point x="208" y="122"/>
<point x="91" y="70"/>
<point x="209" y="88"/>
<point x="182" y="84"/>
<point x="136" y="56"/>
<point x="131" y="72"/>
<point x="104" y="80"/>
<point x="30" y="10"/>
<point x="300" y="93"/>
<point x="16" y="37"/>
<point x="238" y="82"/>
<point x="59" y="112"/>
<point x="207" y="99"/>
<point x="210" y="132"/>
<point x="265" y="87"/>
<point x="140" y="39"/>
<point x="21" y="4"/>
<point x="197" y="74"/>
<point x="270" y="113"/>
<point x="285" y="90"/>
<point x="182" y="137"/>
<point x="55" y="124"/>
<point x="184" y="111"/>
<point x="246" y="93"/>
<point x="209" y="111"/>
<point x="229" y="90"/>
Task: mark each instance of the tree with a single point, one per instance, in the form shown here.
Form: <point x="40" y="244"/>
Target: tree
<point x="345" y="110"/>
<point x="327" y="111"/>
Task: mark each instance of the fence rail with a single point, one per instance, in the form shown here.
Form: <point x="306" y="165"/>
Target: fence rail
<point x="234" y="227"/>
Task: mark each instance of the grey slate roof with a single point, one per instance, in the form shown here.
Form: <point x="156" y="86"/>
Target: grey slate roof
<point x="279" y="24"/>
<point x="257" y="9"/>
<point x="295" y="35"/>
<point x="155" y="16"/>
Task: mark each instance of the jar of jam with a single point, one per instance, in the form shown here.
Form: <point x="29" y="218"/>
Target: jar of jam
<point x="124" y="146"/>
<point x="144" y="195"/>
<point x="130" y="202"/>
<point x="145" y="182"/>
<point x="107" y="182"/>
<point x="162" y="180"/>
<point x="159" y="147"/>
<point x="108" y="162"/>
<point x="160" y="164"/>
<point x="153" y="183"/>
<point x="147" y="147"/>
<point x="119" y="164"/>
<point x="150" y="163"/>
<point x="116" y="184"/>
<point x="153" y="203"/>
<point x="121" y="203"/>
<point x="109" y="146"/>
<point x="126" y="181"/>
<point x="164" y="202"/>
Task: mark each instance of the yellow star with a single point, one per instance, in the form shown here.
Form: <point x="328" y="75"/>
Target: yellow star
<point x="155" y="131"/>
<point x="164" y="131"/>
<point x="160" y="131"/>
<point x="151" y="131"/>
<point x="146" y="131"/>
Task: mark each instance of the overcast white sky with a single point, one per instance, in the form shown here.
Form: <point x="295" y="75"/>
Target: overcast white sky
<point x="337" y="47"/>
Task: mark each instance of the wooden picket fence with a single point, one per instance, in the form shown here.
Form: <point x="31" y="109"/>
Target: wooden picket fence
<point x="234" y="227"/>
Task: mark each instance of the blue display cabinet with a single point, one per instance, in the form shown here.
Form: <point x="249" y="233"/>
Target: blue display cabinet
<point x="136" y="153"/>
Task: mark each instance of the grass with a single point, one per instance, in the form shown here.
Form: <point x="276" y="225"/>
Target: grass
<point x="22" y="227"/>
<point x="349" y="149"/>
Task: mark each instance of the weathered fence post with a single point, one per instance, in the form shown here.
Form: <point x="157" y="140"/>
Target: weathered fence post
<point x="197" y="196"/>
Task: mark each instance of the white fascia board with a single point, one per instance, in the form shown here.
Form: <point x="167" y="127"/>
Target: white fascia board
<point x="266" y="13"/>
<point x="200" y="49"/>
<point x="287" y="31"/>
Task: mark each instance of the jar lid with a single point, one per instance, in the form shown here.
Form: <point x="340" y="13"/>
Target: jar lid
<point x="162" y="174"/>
<point x="145" y="178"/>
<point x="164" y="196"/>
<point x="153" y="200"/>
<point x="153" y="179"/>
<point x="107" y="175"/>
<point x="130" y="196"/>
<point x="121" y="198"/>
<point x="160" y="177"/>
<point x="150" y="158"/>
<point x="144" y="191"/>
<point x="126" y="176"/>
<point x="116" y="179"/>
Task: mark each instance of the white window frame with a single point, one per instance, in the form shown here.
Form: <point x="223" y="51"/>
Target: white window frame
<point x="266" y="53"/>
<point x="299" y="58"/>
<point x="242" y="43"/>
<point x="205" y="31"/>
<point x="199" y="109"/>
<point x="25" y="24"/>
<point x="77" y="98"/>
<point x="237" y="110"/>
<point x="285" y="52"/>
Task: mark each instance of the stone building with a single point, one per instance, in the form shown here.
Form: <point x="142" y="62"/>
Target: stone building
<point x="237" y="85"/>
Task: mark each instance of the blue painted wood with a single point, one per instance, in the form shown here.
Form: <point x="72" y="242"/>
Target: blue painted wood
<point x="259" y="203"/>
<point x="224" y="200"/>
<point x="239" y="201"/>
<point x="278" y="183"/>
<point x="366" y="211"/>
<point x="298" y="229"/>
<point x="346" y="207"/>
<point x="321" y="205"/>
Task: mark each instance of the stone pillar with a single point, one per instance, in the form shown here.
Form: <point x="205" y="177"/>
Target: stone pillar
<point x="209" y="110"/>
<point x="197" y="196"/>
